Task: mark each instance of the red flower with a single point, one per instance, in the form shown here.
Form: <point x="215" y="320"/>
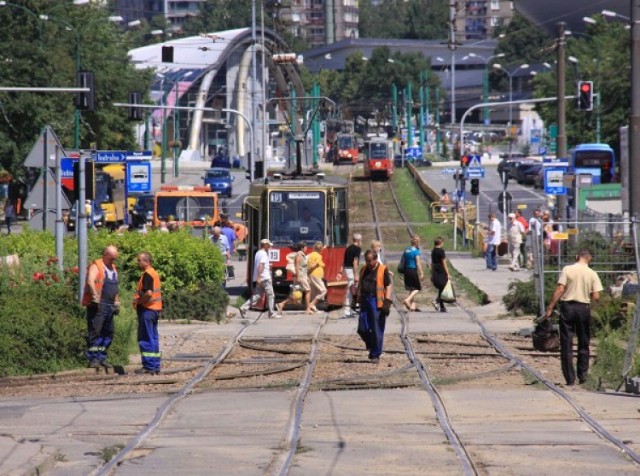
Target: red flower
<point x="38" y="276"/>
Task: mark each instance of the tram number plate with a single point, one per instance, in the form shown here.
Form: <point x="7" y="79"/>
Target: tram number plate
<point x="274" y="255"/>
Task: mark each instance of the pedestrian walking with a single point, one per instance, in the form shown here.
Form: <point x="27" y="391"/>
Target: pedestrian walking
<point x="101" y="298"/>
<point x="315" y="268"/>
<point x="300" y="280"/>
<point x="439" y="272"/>
<point x="413" y="274"/>
<point x="349" y="269"/>
<point x="577" y="286"/>
<point x="491" y="255"/>
<point x="262" y="282"/>
<point x="148" y="303"/>
<point x="515" y="232"/>
<point x="9" y="215"/>
<point x="522" y="259"/>
<point x="374" y="297"/>
<point x="228" y="231"/>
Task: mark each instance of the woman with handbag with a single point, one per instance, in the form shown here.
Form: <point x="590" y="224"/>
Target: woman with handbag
<point x="439" y="272"/>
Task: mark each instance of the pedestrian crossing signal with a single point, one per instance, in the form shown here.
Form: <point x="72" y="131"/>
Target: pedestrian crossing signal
<point x="475" y="186"/>
<point x="585" y="95"/>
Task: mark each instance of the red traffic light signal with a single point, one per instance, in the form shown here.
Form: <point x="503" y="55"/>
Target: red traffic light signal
<point x="464" y="161"/>
<point x="585" y="95"/>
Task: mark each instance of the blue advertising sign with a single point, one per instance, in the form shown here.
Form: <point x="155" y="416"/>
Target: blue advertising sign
<point x="66" y="167"/>
<point x="139" y="176"/>
<point x="553" y="181"/>
<point x="109" y="156"/>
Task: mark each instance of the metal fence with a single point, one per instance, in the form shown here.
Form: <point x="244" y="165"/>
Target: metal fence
<point x="613" y="243"/>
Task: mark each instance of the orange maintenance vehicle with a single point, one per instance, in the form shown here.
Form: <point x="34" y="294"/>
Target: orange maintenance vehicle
<point x="196" y="206"/>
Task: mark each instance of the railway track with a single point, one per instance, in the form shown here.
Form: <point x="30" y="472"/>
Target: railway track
<point x="319" y="371"/>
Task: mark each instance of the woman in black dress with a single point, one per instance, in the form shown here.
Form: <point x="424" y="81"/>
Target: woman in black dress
<point x="439" y="272"/>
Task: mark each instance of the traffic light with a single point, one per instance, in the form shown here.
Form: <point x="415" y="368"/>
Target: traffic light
<point x="167" y="54"/>
<point x="585" y="95"/>
<point x="135" y="113"/>
<point x="89" y="177"/>
<point x="475" y="186"/>
<point x="464" y="161"/>
<point x="85" y="100"/>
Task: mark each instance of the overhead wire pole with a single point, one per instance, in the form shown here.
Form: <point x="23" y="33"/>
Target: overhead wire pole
<point x="634" y="120"/>
<point x="561" y="140"/>
<point x="252" y="151"/>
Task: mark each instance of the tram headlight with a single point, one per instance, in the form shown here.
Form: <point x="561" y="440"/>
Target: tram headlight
<point x="278" y="273"/>
<point x="377" y="164"/>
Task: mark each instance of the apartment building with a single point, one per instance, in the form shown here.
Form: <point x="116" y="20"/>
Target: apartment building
<point x="175" y="11"/>
<point x="478" y="19"/>
<point x="320" y="22"/>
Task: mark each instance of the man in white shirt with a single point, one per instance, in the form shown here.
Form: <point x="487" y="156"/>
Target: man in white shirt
<point x="514" y="235"/>
<point x="495" y="230"/>
<point x="262" y="280"/>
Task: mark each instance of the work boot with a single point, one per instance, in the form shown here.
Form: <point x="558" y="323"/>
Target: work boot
<point x="94" y="364"/>
<point x="145" y="371"/>
<point x="106" y="366"/>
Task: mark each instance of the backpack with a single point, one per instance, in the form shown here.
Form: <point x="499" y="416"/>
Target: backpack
<point x="401" y="264"/>
<point x="545" y="338"/>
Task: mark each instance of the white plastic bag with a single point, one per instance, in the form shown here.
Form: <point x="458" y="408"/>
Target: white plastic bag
<point x="448" y="295"/>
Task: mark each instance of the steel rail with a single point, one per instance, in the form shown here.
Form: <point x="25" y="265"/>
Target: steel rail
<point x="436" y="399"/>
<point x="169" y="404"/>
<point x="283" y="461"/>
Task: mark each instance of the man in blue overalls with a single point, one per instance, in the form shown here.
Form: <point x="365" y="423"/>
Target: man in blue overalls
<point x="102" y="302"/>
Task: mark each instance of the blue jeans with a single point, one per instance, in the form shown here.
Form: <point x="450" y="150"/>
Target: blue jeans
<point x="371" y="326"/>
<point x="491" y="257"/>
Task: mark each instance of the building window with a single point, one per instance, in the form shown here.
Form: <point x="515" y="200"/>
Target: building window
<point x="495" y="4"/>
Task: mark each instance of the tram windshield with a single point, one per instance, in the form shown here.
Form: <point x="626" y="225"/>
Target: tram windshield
<point x="378" y="150"/>
<point x="345" y="142"/>
<point x="185" y="208"/>
<point x="296" y="216"/>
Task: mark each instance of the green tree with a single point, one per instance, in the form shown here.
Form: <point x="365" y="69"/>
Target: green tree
<point x="600" y="55"/>
<point x="44" y="53"/>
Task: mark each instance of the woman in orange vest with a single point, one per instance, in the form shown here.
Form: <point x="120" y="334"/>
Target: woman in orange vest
<point x="374" y="297"/>
<point x="148" y="304"/>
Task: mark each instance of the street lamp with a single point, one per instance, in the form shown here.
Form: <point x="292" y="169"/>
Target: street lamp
<point x="510" y="75"/>
<point x="485" y="82"/>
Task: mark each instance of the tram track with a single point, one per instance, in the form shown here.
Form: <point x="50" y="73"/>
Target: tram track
<point x="514" y="363"/>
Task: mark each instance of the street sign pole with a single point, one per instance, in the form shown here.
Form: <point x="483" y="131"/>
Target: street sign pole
<point x="59" y="222"/>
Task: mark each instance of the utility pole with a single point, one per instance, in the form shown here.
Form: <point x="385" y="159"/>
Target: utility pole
<point x="634" y="120"/>
<point x="561" y="140"/>
<point x="452" y="45"/>
<point x="252" y="146"/>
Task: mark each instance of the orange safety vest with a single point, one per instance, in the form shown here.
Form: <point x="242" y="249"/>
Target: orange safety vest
<point x="379" y="284"/>
<point x="87" y="297"/>
<point x="155" y="303"/>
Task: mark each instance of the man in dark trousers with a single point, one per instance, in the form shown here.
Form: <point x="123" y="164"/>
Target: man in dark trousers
<point x="148" y="304"/>
<point x="374" y="296"/>
<point x="102" y="302"/>
<point x="349" y="270"/>
<point x="577" y="286"/>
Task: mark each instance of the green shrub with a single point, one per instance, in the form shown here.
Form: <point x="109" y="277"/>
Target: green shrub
<point x="522" y="298"/>
<point x="44" y="328"/>
<point x="208" y="302"/>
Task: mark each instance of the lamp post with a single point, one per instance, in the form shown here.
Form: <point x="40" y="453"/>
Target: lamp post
<point x="510" y="75"/>
<point x="485" y="82"/>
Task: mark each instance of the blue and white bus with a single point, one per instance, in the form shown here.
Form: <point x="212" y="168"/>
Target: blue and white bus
<point x="598" y="160"/>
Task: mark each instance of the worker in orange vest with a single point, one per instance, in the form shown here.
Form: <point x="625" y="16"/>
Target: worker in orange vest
<point x="148" y="303"/>
<point x="102" y="302"/>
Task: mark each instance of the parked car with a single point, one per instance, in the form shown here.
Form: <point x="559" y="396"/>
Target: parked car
<point x="509" y="163"/>
<point x="538" y="181"/>
<point x="513" y="164"/>
<point x="97" y="218"/>
<point x="142" y="211"/>
<point x="220" y="180"/>
<point x="526" y="172"/>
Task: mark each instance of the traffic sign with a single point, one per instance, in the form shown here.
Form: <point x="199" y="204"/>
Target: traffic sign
<point x="139" y="155"/>
<point x="542" y="150"/>
<point x="36" y="156"/>
<point x="109" y="156"/>
<point x="553" y="181"/>
<point x="414" y="152"/>
<point x="448" y="171"/>
<point x="475" y="161"/>
<point x="139" y="176"/>
<point x="66" y="172"/>
<point x="474" y="172"/>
